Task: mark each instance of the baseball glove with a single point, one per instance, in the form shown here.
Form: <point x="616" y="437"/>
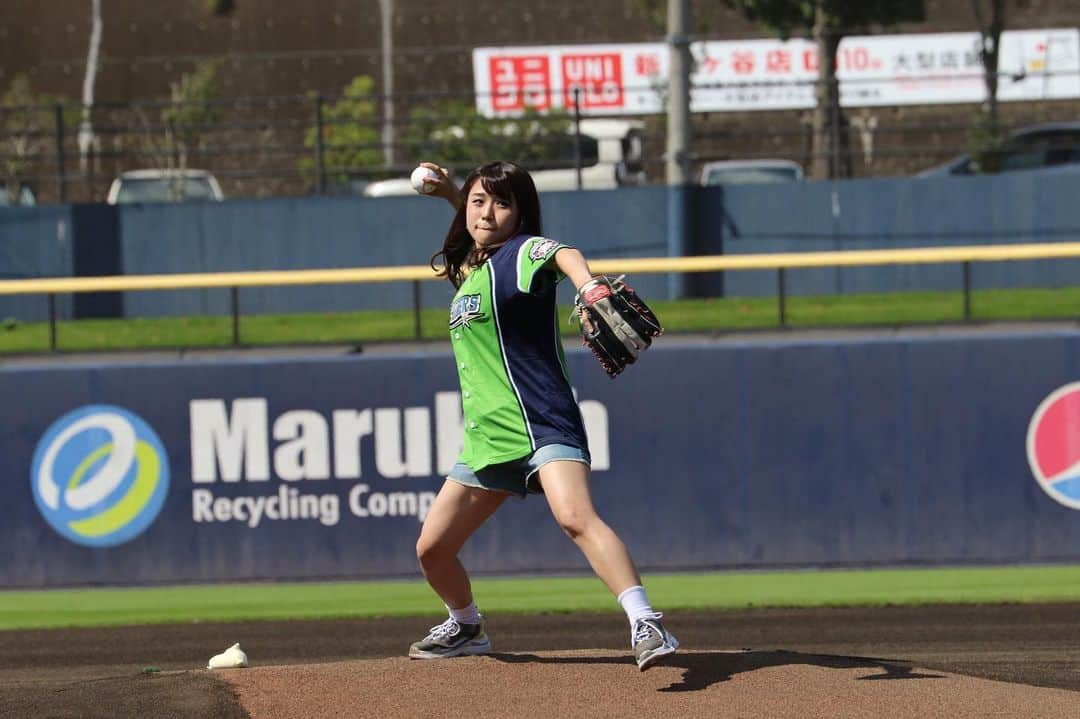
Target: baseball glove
<point x="616" y="324"/>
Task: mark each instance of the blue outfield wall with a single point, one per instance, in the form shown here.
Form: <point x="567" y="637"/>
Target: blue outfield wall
<point x="314" y="233"/>
<point x="753" y="454"/>
<point x="35" y="242"/>
<point x="886" y="213"/>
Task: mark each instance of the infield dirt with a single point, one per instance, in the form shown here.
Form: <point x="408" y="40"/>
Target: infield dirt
<point x="1001" y="660"/>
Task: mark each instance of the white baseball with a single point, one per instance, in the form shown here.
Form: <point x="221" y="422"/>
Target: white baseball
<point x="420" y="179"/>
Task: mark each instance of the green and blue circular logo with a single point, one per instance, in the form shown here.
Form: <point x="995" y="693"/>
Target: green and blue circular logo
<point x="100" y="475"/>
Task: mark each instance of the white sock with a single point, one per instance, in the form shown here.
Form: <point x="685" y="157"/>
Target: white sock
<point x="465" y="615"/>
<point x="636" y="604"/>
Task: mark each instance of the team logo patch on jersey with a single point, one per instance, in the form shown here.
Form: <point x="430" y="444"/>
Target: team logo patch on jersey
<point x="464" y="310"/>
<point x="540" y="250"/>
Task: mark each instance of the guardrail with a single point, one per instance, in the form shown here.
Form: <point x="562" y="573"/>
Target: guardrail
<point x="781" y="262"/>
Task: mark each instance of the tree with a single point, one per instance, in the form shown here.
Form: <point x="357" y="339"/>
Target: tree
<point x="706" y="14"/>
<point x="827" y="22"/>
<point x="86" y="128"/>
<point x="986" y="137"/>
<point x="221" y="8"/>
<point x="350" y="139"/>
<point x="27" y="128"/>
<point x="453" y="133"/>
<point x="193" y="106"/>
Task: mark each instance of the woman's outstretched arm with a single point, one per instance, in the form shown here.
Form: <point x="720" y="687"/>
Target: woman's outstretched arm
<point x="573" y="264"/>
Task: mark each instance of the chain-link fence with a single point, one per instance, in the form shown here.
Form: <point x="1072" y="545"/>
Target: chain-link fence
<point x="318" y="144"/>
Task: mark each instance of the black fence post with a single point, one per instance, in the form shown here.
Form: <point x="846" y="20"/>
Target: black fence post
<point x="781" y="292"/>
<point x="967" y="291"/>
<point x="52" y="321"/>
<point x="234" y="304"/>
<point x="417" y="330"/>
<point x="61" y="179"/>
<point x="320" y="148"/>
<point x="577" y="136"/>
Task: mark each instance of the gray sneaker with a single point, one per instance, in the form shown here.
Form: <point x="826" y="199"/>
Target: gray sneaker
<point x="651" y="641"/>
<point x="451" y="639"/>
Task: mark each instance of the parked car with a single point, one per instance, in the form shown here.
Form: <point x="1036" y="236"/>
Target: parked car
<point x="164" y="186"/>
<point x="750" y="172"/>
<point x="23" y="197"/>
<point x="1028" y="148"/>
<point x="612" y="155"/>
<point x="612" y="152"/>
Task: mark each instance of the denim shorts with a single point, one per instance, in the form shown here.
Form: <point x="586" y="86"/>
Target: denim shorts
<point x="518" y="476"/>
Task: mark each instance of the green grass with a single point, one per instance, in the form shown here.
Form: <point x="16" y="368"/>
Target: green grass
<point x="701" y="315"/>
<point x="670" y="592"/>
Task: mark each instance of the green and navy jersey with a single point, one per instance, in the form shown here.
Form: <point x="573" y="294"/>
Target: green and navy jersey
<point x="504" y="328"/>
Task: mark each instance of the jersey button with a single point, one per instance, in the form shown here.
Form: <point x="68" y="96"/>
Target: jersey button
<point x="468" y="394"/>
<point x="462" y="365"/>
<point x="472" y="425"/>
<point x="457" y="335"/>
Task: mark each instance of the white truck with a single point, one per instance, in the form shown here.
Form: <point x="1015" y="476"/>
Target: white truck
<point x="612" y="155"/>
<point x="164" y="185"/>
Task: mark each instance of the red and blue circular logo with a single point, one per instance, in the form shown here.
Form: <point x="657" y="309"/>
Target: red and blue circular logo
<point x="1053" y="445"/>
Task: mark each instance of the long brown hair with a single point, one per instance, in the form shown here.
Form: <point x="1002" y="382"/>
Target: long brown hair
<point x="504" y="180"/>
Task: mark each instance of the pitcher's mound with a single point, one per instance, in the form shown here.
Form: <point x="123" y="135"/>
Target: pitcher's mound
<point x="602" y="683"/>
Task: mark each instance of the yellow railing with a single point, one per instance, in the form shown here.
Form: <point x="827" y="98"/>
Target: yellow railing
<point x="643" y="265"/>
<point x="780" y="262"/>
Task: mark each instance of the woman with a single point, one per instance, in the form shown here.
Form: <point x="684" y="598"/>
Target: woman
<point x="523" y="428"/>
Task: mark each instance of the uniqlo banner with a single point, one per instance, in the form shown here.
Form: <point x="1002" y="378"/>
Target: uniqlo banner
<point x="770" y="74"/>
<point x="610" y="79"/>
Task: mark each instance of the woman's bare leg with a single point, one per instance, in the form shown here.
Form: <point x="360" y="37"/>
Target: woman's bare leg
<point x="566" y="486"/>
<point x="457" y="512"/>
